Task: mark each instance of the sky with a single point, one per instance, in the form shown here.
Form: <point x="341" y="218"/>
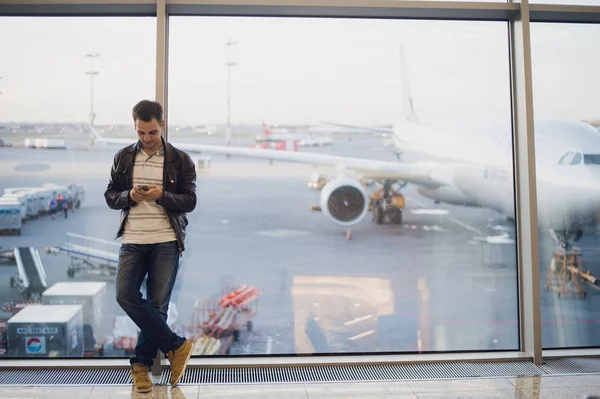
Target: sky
<point x="290" y="70"/>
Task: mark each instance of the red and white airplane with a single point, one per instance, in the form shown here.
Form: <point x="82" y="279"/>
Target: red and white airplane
<point x="302" y="139"/>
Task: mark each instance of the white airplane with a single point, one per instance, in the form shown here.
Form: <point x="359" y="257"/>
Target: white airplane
<point x="465" y="168"/>
<point x="451" y="169"/>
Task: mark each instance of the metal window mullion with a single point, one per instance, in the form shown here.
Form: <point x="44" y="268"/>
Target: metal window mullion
<point x="432" y="10"/>
<point x="386" y="4"/>
<point x="530" y="334"/>
<point x="564" y="13"/>
<point x="30" y="8"/>
<point x="161" y="56"/>
<point x="413" y="9"/>
<point x="160" y="96"/>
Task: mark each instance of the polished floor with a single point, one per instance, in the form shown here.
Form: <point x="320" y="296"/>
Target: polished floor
<point x="559" y="387"/>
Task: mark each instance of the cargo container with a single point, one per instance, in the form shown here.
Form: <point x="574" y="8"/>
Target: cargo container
<point x="92" y="297"/>
<point x="33" y="201"/>
<point x="46" y="331"/>
<point x="22" y="198"/>
<point x="10" y="215"/>
<point x="45" y="197"/>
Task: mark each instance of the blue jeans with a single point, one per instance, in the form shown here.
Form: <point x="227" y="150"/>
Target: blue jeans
<point x="160" y="262"/>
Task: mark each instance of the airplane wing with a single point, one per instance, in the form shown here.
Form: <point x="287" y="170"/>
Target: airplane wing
<point x="365" y="128"/>
<point x="425" y="174"/>
<point x="97" y="138"/>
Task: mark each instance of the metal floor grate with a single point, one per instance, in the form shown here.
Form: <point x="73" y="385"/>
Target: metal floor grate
<point x="572" y="365"/>
<point x="307" y="374"/>
<point x="359" y="373"/>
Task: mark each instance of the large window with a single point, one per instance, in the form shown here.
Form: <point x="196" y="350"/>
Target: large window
<point x="566" y="97"/>
<point x="431" y="266"/>
<point x="48" y="68"/>
<point x="355" y="176"/>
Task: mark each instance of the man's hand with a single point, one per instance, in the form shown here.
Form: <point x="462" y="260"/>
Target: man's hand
<point x="136" y="194"/>
<point x="153" y="194"/>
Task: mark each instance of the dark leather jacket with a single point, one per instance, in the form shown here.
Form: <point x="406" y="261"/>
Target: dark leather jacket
<point x="179" y="187"/>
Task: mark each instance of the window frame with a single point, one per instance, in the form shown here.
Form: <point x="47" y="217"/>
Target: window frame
<point x="518" y="16"/>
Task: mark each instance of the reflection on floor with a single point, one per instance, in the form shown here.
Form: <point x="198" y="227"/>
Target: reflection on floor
<point x="581" y="386"/>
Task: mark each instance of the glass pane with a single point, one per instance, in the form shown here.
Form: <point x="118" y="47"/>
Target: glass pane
<point x="47" y="152"/>
<point x="430" y="267"/>
<point x="566" y="97"/>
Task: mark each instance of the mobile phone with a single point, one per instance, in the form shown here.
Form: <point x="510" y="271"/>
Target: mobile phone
<point x="143" y="187"/>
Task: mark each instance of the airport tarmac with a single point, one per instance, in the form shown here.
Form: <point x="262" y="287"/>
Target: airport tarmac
<point x="430" y="284"/>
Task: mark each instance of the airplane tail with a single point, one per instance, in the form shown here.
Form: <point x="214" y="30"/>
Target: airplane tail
<point x="95" y="136"/>
<point x="407" y="101"/>
<point x="266" y="129"/>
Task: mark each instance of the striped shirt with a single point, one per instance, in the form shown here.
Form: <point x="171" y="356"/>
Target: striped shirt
<point x="147" y="223"/>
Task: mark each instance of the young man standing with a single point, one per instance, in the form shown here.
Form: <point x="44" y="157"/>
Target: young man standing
<point x="154" y="186"/>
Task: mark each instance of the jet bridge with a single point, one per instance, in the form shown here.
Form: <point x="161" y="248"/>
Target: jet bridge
<point x="89" y="255"/>
<point x="30" y="278"/>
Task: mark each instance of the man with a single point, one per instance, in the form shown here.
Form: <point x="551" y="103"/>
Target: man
<point x="154" y="186"/>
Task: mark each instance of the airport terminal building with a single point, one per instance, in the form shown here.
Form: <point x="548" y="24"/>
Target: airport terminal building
<point x="393" y="198"/>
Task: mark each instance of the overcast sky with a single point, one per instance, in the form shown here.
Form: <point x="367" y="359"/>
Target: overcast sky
<point x="290" y="70"/>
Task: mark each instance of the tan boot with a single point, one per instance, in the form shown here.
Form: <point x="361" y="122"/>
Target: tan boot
<point x="141" y="379"/>
<point x="179" y="359"/>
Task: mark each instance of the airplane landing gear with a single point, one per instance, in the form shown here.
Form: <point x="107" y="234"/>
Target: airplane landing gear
<point x="565" y="274"/>
<point x="387" y="204"/>
<point x="385" y="210"/>
<point x="565" y="239"/>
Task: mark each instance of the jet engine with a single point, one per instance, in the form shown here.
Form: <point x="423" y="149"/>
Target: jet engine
<point x="345" y="201"/>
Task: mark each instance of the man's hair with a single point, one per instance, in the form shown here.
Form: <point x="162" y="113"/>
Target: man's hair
<point x="147" y="110"/>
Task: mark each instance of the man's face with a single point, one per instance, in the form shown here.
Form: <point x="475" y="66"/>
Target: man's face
<point x="149" y="134"/>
